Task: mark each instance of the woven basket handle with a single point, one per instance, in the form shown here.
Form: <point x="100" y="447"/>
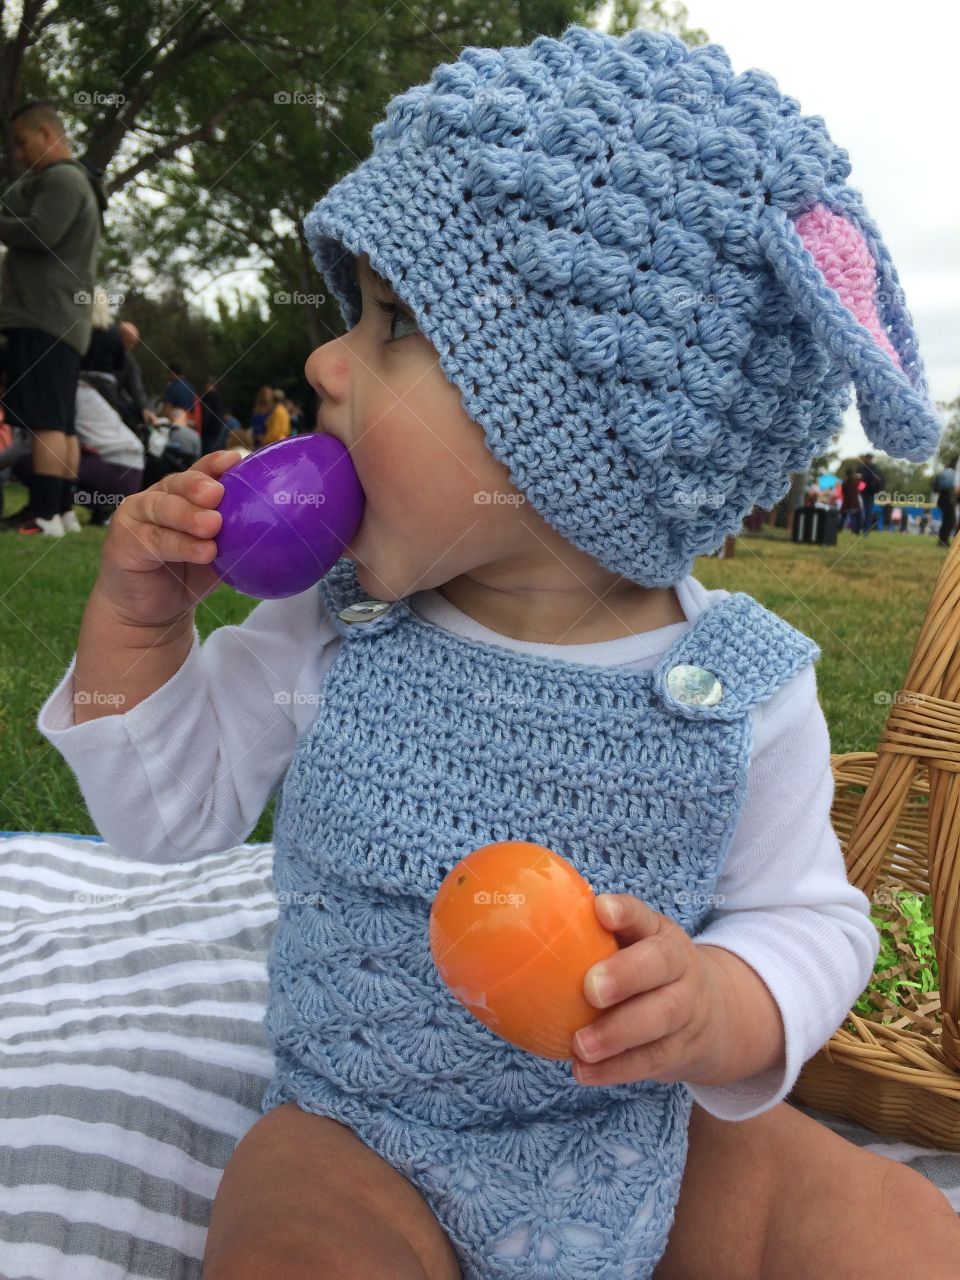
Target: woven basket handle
<point x="924" y="724"/>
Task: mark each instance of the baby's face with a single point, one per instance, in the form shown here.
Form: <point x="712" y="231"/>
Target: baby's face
<point x="438" y="503"/>
<point x="441" y="512"/>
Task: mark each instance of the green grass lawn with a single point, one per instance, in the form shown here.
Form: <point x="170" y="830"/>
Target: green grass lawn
<point x="862" y="601"/>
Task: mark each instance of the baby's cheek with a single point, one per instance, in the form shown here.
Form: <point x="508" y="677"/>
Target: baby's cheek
<point x="384" y="463"/>
<point x="416" y="466"/>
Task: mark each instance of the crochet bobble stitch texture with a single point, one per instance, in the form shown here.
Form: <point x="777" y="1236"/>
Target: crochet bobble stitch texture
<point x="603" y="239"/>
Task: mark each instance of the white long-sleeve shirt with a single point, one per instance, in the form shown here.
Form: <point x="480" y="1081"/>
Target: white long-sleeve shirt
<point x="188" y="771"/>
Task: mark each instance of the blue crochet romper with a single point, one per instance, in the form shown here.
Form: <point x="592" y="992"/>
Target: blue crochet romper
<point x="425" y="746"/>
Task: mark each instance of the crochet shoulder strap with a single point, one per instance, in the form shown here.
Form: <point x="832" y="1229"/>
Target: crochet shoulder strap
<point x="736" y="654"/>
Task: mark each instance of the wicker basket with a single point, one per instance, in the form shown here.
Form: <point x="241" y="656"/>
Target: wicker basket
<point x="896" y="812"/>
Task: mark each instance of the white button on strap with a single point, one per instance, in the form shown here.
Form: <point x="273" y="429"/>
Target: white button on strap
<point x="365" y="610"/>
<point x="694" y="686"/>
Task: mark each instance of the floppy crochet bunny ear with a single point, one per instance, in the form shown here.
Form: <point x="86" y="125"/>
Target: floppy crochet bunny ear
<point x="838" y="273"/>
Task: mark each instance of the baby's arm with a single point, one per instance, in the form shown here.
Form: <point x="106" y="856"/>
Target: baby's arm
<point x="754" y="1040"/>
<point x="789" y="945"/>
<point x="785" y="907"/>
<point x="188" y="768"/>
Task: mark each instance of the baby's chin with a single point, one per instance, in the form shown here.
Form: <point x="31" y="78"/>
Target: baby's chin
<point x="399" y="584"/>
<point x="389" y="569"/>
<point x="372" y="584"/>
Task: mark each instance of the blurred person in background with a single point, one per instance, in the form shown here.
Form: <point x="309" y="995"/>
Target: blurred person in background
<point x="850" y="506"/>
<point x="296" y="415"/>
<point x="873" y="482"/>
<point x="178" y="397"/>
<point x="132" y="394"/>
<point x="51" y="219"/>
<point x="14" y="442"/>
<point x="945" y="488"/>
<point x="238" y="436"/>
<point x="104" y="358"/>
<point x="262" y="409"/>
<point x="111" y="457"/>
<point x="278" y="424"/>
<point x="213" y="427"/>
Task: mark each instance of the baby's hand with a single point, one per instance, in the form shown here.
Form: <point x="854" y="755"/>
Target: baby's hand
<point x="155" y="566"/>
<point x="664" y="1008"/>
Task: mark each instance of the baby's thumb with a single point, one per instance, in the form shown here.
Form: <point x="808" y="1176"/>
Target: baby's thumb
<point x="216" y="463"/>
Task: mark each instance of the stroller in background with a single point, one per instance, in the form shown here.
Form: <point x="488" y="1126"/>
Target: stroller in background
<point x="169" y="448"/>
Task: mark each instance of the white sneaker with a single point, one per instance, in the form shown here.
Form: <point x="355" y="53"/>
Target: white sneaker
<point x="52" y="528"/>
<point x="70" y="522"/>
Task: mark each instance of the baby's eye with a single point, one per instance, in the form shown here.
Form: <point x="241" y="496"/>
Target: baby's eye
<point x="398" y="313"/>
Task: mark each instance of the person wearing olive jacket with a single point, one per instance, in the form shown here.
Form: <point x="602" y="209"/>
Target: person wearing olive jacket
<point x="51" y="220"/>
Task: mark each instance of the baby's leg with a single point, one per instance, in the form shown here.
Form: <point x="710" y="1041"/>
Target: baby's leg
<point x="781" y="1195"/>
<point x="302" y="1196"/>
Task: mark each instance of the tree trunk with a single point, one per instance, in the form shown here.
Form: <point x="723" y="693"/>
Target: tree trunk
<point x="728" y="548"/>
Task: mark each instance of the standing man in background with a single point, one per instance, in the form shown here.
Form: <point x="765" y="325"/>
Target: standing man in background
<point x="945" y="487"/>
<point x="873" y="483"/>
<point x="51" y="219"/>
<point x="130" y="389"/>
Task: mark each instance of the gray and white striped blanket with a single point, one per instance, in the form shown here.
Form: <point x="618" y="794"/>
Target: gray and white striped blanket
<point x="133" y="1059"/>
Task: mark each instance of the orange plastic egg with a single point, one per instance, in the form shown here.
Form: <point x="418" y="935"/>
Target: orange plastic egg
<point x="513" y="931"/>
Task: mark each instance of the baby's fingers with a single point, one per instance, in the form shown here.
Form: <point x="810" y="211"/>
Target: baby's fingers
<point x="169" y="510"/>
<point x="642" y="966"/>
<point x="664" y="1061"/>
<point x="635" y="1023"/>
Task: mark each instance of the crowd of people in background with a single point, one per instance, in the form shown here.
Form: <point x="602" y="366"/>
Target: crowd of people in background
<point x="274" y="415"/>
<point x="76" y="424"/>
<point x="128" y="440"/>
<point x="858" y="510"/>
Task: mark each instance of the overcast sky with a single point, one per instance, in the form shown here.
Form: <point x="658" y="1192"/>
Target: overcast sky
<point x="885" y="79"/>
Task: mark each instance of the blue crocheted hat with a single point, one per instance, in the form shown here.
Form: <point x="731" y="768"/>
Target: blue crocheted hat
<point x="646" y="275"/>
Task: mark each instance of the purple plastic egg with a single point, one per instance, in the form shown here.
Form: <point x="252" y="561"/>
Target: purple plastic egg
<point x="288" y="510"/>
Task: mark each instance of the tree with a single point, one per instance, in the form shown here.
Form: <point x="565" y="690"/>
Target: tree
<point x="218" y="129"/>
<point x="950" y="442"/>
<point x="221" y="127"/>
<point x="242" y="348"/>
<point x="657" y="15"/>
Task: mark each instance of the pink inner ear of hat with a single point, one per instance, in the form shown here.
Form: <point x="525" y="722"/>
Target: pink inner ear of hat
<point x="840" y="251"/>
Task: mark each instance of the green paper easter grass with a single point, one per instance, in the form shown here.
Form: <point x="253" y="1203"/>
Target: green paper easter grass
<point x="903" y="991"/>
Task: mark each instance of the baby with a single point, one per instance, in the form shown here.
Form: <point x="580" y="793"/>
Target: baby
<point x="602" y="297"/>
